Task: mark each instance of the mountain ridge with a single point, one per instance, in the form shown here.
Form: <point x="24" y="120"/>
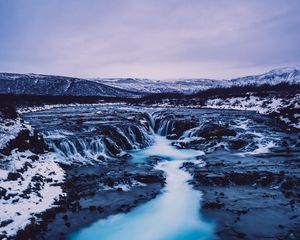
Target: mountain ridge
<point x="54" y="85"/>
<point x="193" y="85"/>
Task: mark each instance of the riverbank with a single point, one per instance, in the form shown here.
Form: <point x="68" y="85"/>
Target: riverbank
<point x="172" y="215"/>
<point x="95" y="192"/>
<point x="254" y="197"/>
<point x="108" y="155"/>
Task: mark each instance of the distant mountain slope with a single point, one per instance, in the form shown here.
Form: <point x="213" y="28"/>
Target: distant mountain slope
<point x="188" y="86"/>
<point x="290" y="75"/>
<point x="48" y="85"/>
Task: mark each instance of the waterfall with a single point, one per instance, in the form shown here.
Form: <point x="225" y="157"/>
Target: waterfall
<point x="107" y="142"/>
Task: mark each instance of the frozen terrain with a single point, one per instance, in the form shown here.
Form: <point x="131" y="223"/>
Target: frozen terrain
<point x="48" y="85"/>
<point x="188" y="86"/>
<point x="78" y="170"/>
<point x="29" y="179"/>
<point x="286" y="108"/>
<point x="116" y="158"/>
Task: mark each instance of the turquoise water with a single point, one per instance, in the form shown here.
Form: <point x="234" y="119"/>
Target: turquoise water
<point x="173" y="215"/>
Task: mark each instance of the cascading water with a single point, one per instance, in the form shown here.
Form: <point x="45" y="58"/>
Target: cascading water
<point x="174" y="215"/>
<point x="87" y="149"/>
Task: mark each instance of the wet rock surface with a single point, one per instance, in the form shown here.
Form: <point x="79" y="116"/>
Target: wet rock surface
<point x="251" y="178"/>
<point x="94" y="192"/>
<point x="94" y="147"/>
<point x="257" y="197"/>
<point x="250" y="183"/>
<point x="92" y="134"/>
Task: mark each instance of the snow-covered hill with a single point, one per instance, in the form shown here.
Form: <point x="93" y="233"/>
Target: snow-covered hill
<point x="47" y="85"/>
<point x="36" y="84"/>
<point x="276" y="76"/>
<point x="188" y="86"/>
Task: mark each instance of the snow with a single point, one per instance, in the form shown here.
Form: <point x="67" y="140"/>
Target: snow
<point x="126" y="187"/>
<point x="49" y="107"/>
<point x="51" y="85"/>
<point x="23" y="199"/>
<point x="9" y="129"/>
<point x="161" y="86"/>
<point x="188" y="86"/>
<point x="262" y="105"/>
<point x="22" y="210"/>
<point x="3" y="174"/>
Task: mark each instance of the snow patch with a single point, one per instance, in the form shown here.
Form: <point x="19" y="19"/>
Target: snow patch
<point x="32" y="192"/>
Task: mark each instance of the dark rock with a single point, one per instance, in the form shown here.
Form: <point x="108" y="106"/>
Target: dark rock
<point x="216" y="131"/>
<point x="243" y="178"/>
<point x="38" y="178"/>
<point x="34" y="157"/>
<point x="214" y="205"/>
<point x="73" y="196"/>
<point x="3" y="191"/>
<point x="288" y="184"/>
<point x="109" y="182"/>
<point x="111" y="147"/>
<point x="92" y="208"/>
<point x="179" y="127"/>
<point x="238" y="144"/>
<point x="5" y="223"/>
<point x="101" y="158"/>
<point x="13" y="176"/>
<point x="68" y="224"/>
<point x="148" y="178"/>
<point x="100" y="209"/>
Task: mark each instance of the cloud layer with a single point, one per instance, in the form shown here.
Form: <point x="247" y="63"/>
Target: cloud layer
<point x="148" y="38"/>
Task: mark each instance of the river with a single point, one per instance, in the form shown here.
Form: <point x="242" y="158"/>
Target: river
<point x="174" y="215"/>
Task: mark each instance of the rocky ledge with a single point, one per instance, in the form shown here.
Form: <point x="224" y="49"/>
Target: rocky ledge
<point x="94" y="192"/>
<point x="253" y="198"/>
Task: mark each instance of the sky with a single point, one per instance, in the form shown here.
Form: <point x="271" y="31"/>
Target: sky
<point x="158" y="39"/>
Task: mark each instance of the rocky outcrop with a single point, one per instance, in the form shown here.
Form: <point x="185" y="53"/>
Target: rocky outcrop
<point x="26" y="140"/>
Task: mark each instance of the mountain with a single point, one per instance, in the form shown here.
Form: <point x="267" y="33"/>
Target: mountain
<point x="48" y="85"/>
<point x="149" y="86"/>
<point x="188" y="86"/>
<point x="276" y="76"/>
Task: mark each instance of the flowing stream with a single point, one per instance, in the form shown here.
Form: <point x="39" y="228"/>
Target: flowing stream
<point x="173" y="215"/>
<point x="101" y="134"/>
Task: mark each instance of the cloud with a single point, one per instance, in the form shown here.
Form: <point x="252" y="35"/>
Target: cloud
<point x="148" y="38"/>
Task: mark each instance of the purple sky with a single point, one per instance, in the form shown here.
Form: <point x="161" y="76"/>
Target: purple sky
<point x="149" y="38"/>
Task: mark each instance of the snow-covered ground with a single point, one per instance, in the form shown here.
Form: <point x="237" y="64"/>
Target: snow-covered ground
<point x="9" y="129"/>
<point x="288" y="75"/>
<point x="29" y="183"/>
<point x="284" y="108"/>
<point x="30" y="186"/>
<point x="48" y="107"/>
<point x="263" y="105"/>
